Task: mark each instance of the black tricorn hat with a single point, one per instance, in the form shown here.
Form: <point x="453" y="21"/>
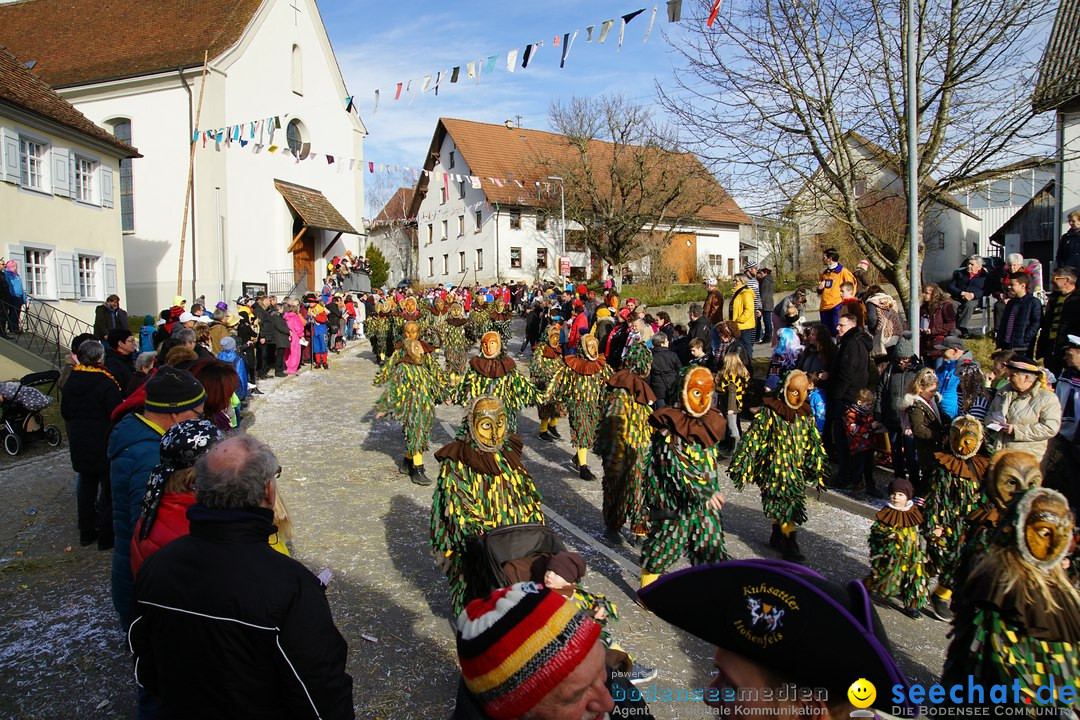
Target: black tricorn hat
<point x="786" y="618"/>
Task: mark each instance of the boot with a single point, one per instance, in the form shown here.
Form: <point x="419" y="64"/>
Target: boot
<point x="585" y="473"/>
<point x="546" y="436"/>
<point x="418" y="476"/>
<point x="554" y="432"/>
<point x="790" y="550"/>
<point x="405" y="467"/>
<point x="776" y="539"/>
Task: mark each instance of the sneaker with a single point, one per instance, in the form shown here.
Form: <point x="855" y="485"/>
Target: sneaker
<point x="640" y="674"/>
<point x="254" y="390"/>
<point x="939" y="609"/>
<point x="546" y="436"/>
<point x="913" y="613"/>
<point x="586" y="474"/>
<point x="554" y="432"/>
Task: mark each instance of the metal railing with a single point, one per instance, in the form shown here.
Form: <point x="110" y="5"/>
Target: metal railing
<point x="45" y="330"/>
<point x="286" y="283"/>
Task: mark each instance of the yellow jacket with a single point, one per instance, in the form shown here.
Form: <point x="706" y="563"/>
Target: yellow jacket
<point x="833" y="279"/>
<point x="742" y="307"/>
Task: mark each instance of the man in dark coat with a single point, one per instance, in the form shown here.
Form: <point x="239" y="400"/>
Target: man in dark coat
<point x="850" y="374"/>
<point x="120" y="355"/>
<point x="278" y="337"/>
<point x="1060" y="319"/>
<point x="109" y="316"/>
<point x="699" y="326"/>
<point x="1068" y="252"/>
<point x="665" y="369"/>
<point x="89" y="397"/>
<point x="255" y="622"/>
<point x="969" y="286"/>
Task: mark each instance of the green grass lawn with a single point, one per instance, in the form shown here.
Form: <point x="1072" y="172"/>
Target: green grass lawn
<point x="655" y="295"/>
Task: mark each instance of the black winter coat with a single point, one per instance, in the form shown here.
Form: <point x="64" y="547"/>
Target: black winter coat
<point x="851" y="368"/>
<point x="227" y="627"/>
<point x="1068" y="253"/>
<point x="122" y="367"/>
<point x="892" y="386"/>
<point x="276" y="330"/>
<point x="665" y="371"/>
<point x="1026" y="315"/>
<point x="87" y="402"/>
<point x="333" y="318"/>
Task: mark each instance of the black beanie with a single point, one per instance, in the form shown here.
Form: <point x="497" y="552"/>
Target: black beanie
<point x="170" y="390"/>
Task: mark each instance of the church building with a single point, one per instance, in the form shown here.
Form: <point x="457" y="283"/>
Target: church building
<point x="267" y="202"/>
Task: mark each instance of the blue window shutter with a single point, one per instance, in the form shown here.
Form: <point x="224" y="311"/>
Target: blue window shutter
<point x="66" y="288"/>
<point x="106" y="186"/>
<point x="9" y="149"/>
<point x="61" y="159"/>
<point x="108" y="270"/>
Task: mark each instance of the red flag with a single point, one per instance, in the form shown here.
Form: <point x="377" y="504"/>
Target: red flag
<point x="713" y="12"/>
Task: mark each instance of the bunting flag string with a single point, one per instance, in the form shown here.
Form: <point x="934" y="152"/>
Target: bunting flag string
<point x="476" y="69"/>
<point x="262" y="144"/>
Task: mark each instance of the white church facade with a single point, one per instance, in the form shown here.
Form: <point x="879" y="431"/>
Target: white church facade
<point x="268" y="206"/>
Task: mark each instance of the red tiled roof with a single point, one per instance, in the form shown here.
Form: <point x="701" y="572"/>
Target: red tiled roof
<point x="313" y="208"/>
<point x="1059" y="70"/>
<point x="75" y="42"/>
<point x="397" y="208"/>
<point x="23" y="89"/>
<point x="494" y="151"/>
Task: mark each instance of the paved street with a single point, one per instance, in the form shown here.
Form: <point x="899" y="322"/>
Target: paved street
<point x="62" y="656"/>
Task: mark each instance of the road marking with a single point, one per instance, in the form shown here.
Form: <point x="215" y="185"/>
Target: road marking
<point x="626" y="564"/>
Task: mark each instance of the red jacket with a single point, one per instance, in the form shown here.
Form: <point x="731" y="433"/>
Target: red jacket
<point x="171" y="523"/>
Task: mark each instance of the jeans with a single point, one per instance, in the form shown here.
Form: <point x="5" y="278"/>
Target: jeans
<point x="767" y="321"/>
<point x="93" y="501"/>
<point x="746" y="337"/>
<point x="860" y="468"/>
<point x="904" y="461"/>
<point x="13" y="313"/>
<point x="830" y="317"/>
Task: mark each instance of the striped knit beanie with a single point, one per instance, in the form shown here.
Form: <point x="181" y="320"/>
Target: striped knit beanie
<point x="518" y="644"/>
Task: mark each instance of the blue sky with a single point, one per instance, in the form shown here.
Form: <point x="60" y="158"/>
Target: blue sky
<point x="381" y="44"/>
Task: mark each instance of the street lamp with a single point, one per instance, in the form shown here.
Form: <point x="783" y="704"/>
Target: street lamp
<point x="562" y="202"/>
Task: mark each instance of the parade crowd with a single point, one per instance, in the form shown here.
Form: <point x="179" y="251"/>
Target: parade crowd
<point x="975" y="526"/>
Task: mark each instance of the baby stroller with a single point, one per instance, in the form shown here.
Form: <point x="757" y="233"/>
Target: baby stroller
<point x="21" y="404"/>
<point x="486" y="556"/>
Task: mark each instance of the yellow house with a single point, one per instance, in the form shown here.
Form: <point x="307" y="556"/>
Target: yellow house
<point x="60" y="182"/>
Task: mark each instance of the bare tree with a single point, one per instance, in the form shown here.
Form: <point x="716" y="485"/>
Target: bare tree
<point x="628" y="183"/>
<point x="784" y="95"/>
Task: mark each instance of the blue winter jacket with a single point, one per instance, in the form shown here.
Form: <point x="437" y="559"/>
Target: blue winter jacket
<point x="134" y="450"/>
<point x="948" y="374"/>
<point x="817" y="404"/>
<point x="237" y="361"/>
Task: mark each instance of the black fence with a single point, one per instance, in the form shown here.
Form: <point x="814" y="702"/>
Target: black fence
<point x="45" y="330"/>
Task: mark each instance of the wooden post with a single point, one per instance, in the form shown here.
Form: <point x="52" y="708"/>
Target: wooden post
<point x="190" y="176"/>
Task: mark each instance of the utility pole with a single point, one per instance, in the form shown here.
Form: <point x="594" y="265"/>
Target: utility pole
<point x="910" y="109"/>
<point x="562" y="203"/>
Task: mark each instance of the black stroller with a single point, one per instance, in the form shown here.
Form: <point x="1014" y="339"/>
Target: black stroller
<point x="21" y="403"/>
<point x="486" y="555"/>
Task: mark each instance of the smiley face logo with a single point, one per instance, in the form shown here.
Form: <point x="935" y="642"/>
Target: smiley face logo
<point x="862" y="693"/>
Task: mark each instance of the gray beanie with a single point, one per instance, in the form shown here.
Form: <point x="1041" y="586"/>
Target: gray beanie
<point x="904" y="348"/>
<point x="228" y="343"/>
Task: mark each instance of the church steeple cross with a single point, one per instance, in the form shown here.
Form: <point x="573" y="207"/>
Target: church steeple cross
<point x="296" y="13"/>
